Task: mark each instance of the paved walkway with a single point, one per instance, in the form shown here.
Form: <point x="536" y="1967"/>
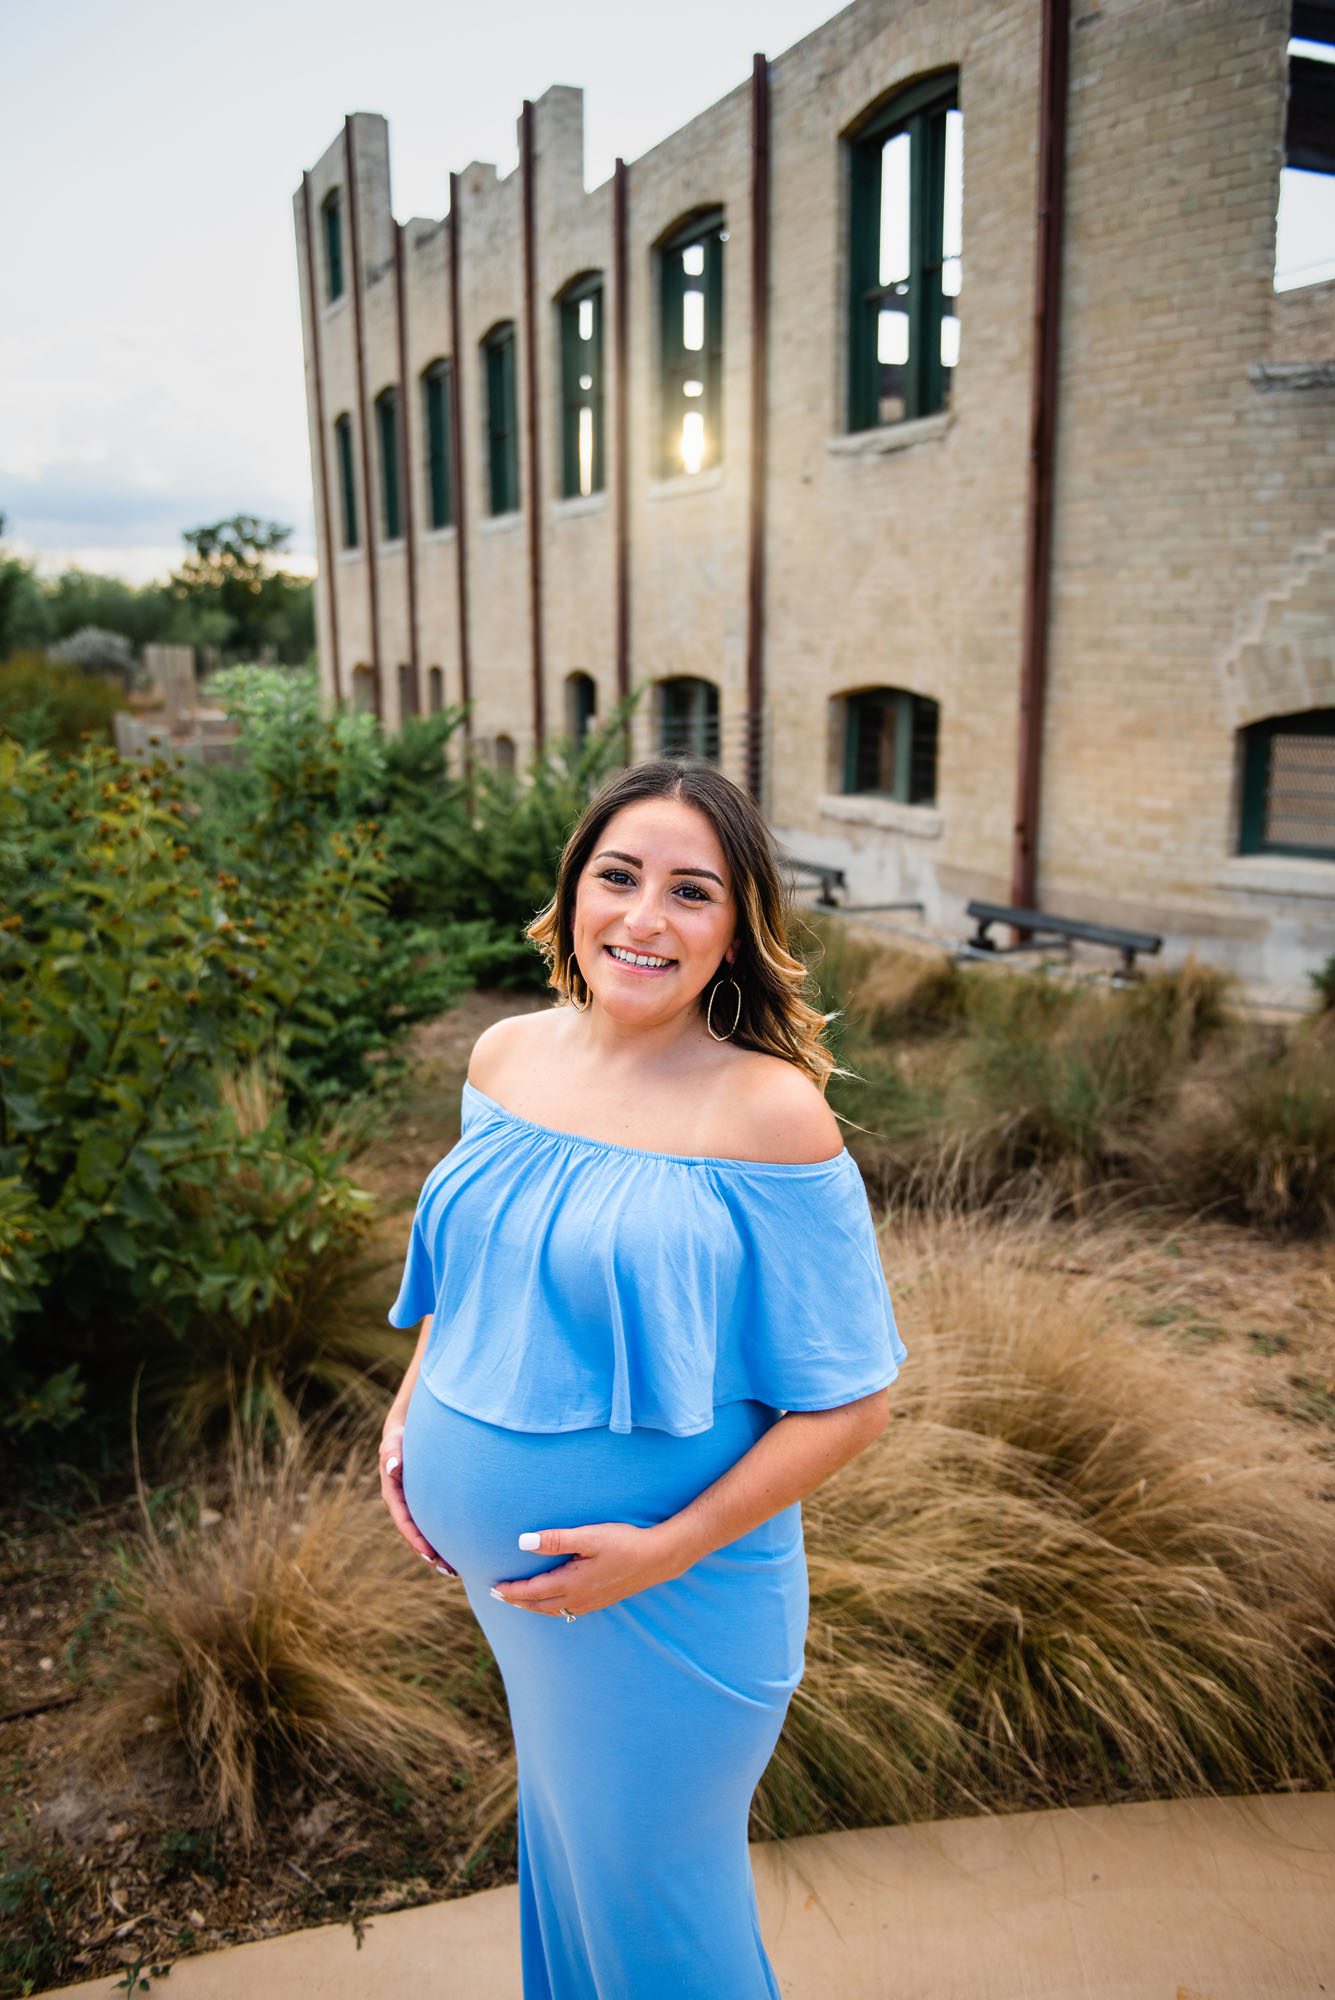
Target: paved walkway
<point x="1216" y="1899"/>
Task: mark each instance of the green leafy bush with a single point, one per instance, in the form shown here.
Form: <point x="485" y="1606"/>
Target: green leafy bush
<point x="51" y="705"/>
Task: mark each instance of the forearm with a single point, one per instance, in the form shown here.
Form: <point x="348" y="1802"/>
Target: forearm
<point x="399" y="1407"/>
<point x="796" y="1454"/>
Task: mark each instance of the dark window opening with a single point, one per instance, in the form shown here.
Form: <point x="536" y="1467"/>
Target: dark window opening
<point x="407" y="691"/>
<point x="435" y="690"/>
<point x="582" y="388"/>
<point x="906" y="210"/>
<point x="347" y="479"/>
<point x="1305" y="222"/>
<point x="505" y="755"/>
<point x="502" y="431"/>
<point x="688" y="718"/>
<point x="331" y="211"/>
<point x="437" y="419"/>
<point x="581" y="707"/>
<point x="1288" y="785"/>
<point x="691" y="372"/>
<point x="387" y="434"/>
<point x="890" y="744"/>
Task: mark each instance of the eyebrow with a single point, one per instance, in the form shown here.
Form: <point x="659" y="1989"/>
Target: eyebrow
<point x="635" y="862"/>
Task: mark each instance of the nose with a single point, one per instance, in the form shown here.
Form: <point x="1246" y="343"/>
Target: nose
<point x="644" y="917"/>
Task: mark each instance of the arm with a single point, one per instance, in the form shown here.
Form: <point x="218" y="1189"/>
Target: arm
<point x="391" y="1459"/>
<point x="611" y="1559"/>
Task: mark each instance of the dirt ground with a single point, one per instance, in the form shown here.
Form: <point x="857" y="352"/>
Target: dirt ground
<point x="133" y="1878"/>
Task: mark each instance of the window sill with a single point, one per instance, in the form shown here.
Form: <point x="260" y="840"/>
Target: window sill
<point x="1291" y="374"/>
<point x="891" y="815"/>
<point x="686" y="482"/>
<point x="500" y="524"/>
<point x="333" y="307"/>
<point x="1278" y="875"/>
<point x="436" y="537"/>
<point x="392" y="546"/>
<point x="891" y="437"/>
<point x="349" y="555"/>
<point x="573" y="506"/>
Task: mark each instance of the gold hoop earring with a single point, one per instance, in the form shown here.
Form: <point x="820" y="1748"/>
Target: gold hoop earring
<point x="570" y="995"/>
<point x="709" y="1011"/>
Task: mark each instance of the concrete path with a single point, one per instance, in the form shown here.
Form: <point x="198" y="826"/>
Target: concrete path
<point x="1216" y="1899"/>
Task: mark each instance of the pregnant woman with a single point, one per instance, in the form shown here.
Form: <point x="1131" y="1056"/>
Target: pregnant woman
<point x="652" y="1318"/>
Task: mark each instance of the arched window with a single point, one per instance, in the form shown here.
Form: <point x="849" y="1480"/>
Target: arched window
<point x="347" y="478"/>
<point x="435" y="690"/>
<point x="331" y="215"/>
<point x="889" y="739"/>
<point x="581" y="707"/>
<point x="387" y="437"/>
<point x="504" y="751"/>
<point x="906" y="198"/>
<point x="581" y="305"/>
<point x="688" y="718"/>
<point x="690" y="262"/>
<point x="437" y="429"/>
<point x="407" y="691"/>
<point x="1288" y="785"/>
<point x="498" y="355"/>
<point x="363" y="690"/>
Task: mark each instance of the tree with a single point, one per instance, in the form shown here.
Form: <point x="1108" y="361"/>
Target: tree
<point x="24" y="619"/>
<point x="230" y="570"/>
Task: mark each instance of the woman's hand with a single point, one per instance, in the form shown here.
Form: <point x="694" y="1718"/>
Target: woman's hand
<point x="609" y="1560"/>
<point x="391" y="1492"/>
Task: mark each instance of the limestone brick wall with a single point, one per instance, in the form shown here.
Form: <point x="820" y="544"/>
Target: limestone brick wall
<point x="1193" y="577"/>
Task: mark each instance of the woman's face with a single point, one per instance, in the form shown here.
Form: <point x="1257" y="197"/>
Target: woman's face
<point x="654" y="911"/>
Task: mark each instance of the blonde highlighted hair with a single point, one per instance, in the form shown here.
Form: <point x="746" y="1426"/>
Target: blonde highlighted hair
<point x="776" y="1017"/>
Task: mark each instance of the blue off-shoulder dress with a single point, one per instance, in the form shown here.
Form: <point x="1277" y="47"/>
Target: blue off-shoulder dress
<point x="613" y="1329"/>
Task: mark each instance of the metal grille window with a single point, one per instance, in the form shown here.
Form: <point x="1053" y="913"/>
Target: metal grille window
<point x="890" y="739"/>
<point x="502" y="432"/>
<point x="1288" y="785"/>
<point x="387" y="435"/>
<point x="331" y="211"/>
<point x="691" y="297"/>
<point x="905" y="263"/>
<point x="582" y="388"/>
<point x="688" y="718"/>
<point x="436" y="428"/>
<point x="347" y="479"/>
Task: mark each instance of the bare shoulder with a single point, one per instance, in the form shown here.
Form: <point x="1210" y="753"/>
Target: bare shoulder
<point x="511" y="1042"/>
<point x="779" y="1114"/>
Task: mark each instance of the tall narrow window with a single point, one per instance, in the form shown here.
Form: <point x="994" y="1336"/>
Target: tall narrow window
<point x="1305" y="224"/>
<point x="688" y="721"/>
<point x="387" y="434"/>
<point x="890" y="738"/>
<point x="331" y="210"/>
<point x="691" y="297"/>
<point x="502" y="433"/>
<point x="582" y="387"/>
<point x="435" y="690"/>
<point x="1288" y="785"/>
<point x="581" y="706"/>
<point x="906" y="186"/>
<point x="407" y="691"/>
<point x="347" y="479"/>
<point x="436" y="429"/>
<point x="505" y="755"/>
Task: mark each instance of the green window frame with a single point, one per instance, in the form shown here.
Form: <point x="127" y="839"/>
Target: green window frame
<point x="387" y="436"/>
<point x="688" y="718"/>
<point x="347" y="478"/>
<point x="331" y="211"/>
<point x="905" y="255"/>
<point x="890" y="744"/>
<point x="502" y="427"/>
<point x="1288" y="785"/>
<point x="690" y="267"/>
<point x="437" y="429"/>
<point x="582" y="388"/>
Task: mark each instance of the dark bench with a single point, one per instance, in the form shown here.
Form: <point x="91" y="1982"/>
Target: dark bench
<point x="1069" y="929"/>
<point x="830" y="879"/>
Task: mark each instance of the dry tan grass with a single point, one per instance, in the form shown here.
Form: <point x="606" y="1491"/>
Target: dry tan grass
<point x="288" y="1631"/>
<point x="1068" y="1570"/>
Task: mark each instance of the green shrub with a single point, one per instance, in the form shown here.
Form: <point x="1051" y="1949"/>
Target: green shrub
<point x="50" y="705"/>
<point x="1323" y="982"/>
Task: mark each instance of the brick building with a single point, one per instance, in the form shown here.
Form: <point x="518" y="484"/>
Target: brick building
<point x="921" y="423"/>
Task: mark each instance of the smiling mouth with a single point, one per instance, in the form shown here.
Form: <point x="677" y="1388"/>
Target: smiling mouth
<point x="642" y="961"/>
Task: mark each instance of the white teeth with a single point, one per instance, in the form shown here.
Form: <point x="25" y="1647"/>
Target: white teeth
<point x="636" y="957"/>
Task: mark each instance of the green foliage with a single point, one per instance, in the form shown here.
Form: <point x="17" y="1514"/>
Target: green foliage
<point x="229" y="576"/>
<point x="50" y="705"/>
<point x="37" y="1898"/>
<point x="1323" y="982"/>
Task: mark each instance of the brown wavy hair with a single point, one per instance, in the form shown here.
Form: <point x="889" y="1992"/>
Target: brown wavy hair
<point x="776" y="1018"/>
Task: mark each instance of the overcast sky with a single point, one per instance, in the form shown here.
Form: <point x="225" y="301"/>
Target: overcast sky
<point x="150" y="342"/>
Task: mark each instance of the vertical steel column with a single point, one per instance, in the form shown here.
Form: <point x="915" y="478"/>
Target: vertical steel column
<point x="321" y="461"/>
<point x="755" y="604"/>
<point x="457" y="468"/>
<point x="372" y="581"/>
<point x="1042" y="444"/>
<point x="531" y="425"/>
<point x="406" y="475"/>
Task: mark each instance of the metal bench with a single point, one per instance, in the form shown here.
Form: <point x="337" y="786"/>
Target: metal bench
<point x="829" y="879"/>
<point x="1069" y="929"/>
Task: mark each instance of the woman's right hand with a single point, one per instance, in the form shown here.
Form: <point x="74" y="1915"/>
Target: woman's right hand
<point x="391" y="1492"/>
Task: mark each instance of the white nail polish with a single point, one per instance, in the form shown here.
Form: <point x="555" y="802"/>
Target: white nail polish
<point x="530" y="1541"/>
<point x="496" y="1593"/>
<point x="391" y="1465"/>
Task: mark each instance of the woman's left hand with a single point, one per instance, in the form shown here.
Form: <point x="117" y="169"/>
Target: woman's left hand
<point x="608" y="1560"/>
